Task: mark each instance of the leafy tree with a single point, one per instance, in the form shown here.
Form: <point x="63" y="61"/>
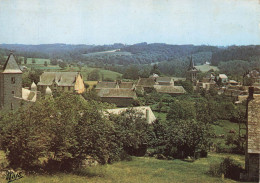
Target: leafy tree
<point x="155" y="70"/>
<point x="45" y="63"/>
<point x="62" y="65"/>
<point x="94" y="75"/>
<point x="134" y="131"/>
<point x="25" y="60"/>
<point x="54" y="62"/>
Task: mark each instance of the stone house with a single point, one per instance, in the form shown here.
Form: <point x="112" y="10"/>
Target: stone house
<point x="122" y="97"/>
<point x="61" y="81"/>
<point x="253" y="137"/>
<point x="145" y="84"/>
<point x="164" y="81"/>
<point x="170" y="89"/>
<point x="10" y="84"/>
<point x="116" y="84"/>
<point x="223" y="77"/>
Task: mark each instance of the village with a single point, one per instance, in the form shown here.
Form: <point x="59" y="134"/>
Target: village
<point x="124" y="95"/>
<point x="140" y="91"/>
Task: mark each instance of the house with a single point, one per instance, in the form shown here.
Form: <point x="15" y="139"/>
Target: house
<point x="61" y="81"/>
<point x="12" y="95"/>
<point x="145" y="111"/>
<point x="170" y="89"/>
<point x="164" y="81"/>
<point x="252" y="159"/>
<point x="116" y="84"/>
<point x="233" y="82"/>
<point x="145" y="84"/>
<point x="254" y="75"/>
<point x="122" y="97"/>
<point x="223" y="77"/>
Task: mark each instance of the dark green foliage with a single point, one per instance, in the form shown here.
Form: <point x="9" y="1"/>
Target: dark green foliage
<point x="45" y="64"/>
<point x="181" y="138"/>
<point x="94" y="75"/>
<point x="133" y="132"/>
<point x="62" y="65"/>
<point x="228" y="167"/>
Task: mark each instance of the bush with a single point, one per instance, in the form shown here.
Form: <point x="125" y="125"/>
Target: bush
<point x="228" y="167"/>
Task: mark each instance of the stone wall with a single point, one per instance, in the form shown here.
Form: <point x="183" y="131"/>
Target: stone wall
<point x="11" y="89"/>
<point x="253" y="167"/>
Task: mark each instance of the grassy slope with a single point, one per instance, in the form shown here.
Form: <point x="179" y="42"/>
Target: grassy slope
<point x="142" y="169"/>
<point x="206" y="68"/>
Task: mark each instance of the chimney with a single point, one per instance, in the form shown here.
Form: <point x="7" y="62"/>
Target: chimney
<point x="251" y="93"/>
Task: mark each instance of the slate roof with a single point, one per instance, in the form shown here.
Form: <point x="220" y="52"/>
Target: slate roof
<point x="164" y="79"/>
<point x="141" y="109"/>
<point x="61" y="78"/>
<point x="254" y="125"/>
<point x="11" y="65"/>
<point x="117" y="93"/>
<point x="128" y="85"/>
<point x="145" y="82"/>
<point x="169" y="89"/>
<point x="103" y="84"/>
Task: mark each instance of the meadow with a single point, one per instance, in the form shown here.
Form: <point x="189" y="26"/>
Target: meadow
<point x="206" y="68"/>
<point x="141" y="169"/>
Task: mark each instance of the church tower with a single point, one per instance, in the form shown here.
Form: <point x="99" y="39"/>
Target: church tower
<point x="10" y="84"/>
<point x="192" y="72"/>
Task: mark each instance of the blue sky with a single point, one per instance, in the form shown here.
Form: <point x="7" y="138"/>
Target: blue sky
<point x="210" y="22"/>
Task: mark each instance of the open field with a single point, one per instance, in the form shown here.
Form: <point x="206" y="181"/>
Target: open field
<point x="142" y="169"/>
<point x="206" y="68"/>
<point x="39" y="61"/>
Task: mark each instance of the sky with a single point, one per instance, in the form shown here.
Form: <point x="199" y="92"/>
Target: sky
<point x="208" y="22"/>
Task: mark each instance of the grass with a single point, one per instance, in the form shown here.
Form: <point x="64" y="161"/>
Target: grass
<point x="142" y="169"/>
<point x="39" y="61"/>
<point x="224" y="126"/>
<point x="206" y="68"/>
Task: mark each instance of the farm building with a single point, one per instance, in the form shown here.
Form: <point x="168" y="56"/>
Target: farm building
<point x="170" y="89"/>
<point x="253" y="137"/>
<point x="122" y="97"/>
<point x="61" y="81"/>
<point x="145" y="84"/>
<point x="145" y="111"/>
<point x="116" y="84"/>
<point x="164" y="81"/>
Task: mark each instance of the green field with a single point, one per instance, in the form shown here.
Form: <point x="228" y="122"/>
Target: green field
<point x="39" y="61"/>
<point x="143" y="170"/>
<point x="106" y="73"/>
<point x="206" y="68"/>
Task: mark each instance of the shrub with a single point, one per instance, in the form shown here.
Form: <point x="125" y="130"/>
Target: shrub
<point x="228" y="167"/>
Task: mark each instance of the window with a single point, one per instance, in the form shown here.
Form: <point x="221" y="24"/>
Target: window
<point x="13" y="80"/>
<point x="13" y="92"/>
